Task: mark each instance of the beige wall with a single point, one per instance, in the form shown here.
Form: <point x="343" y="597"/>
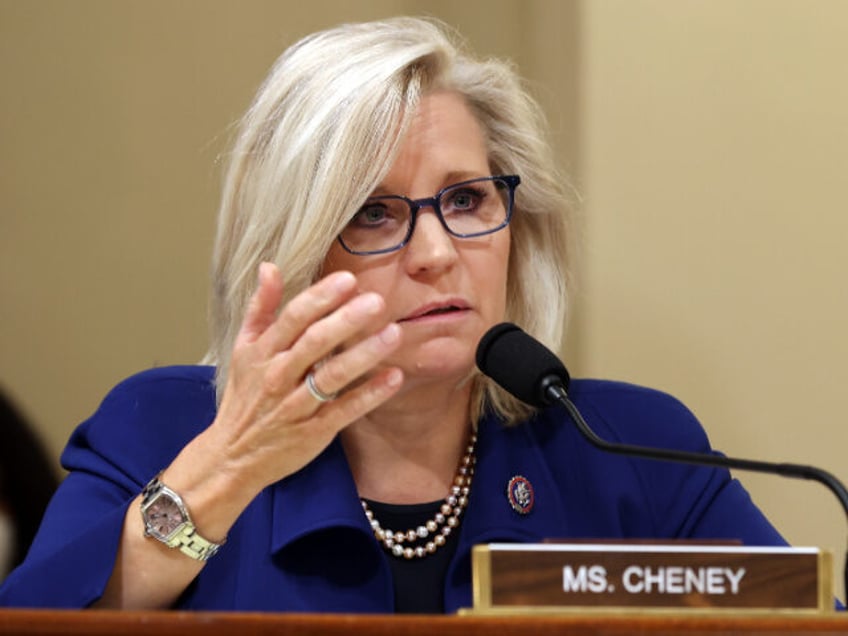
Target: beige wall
<point x="708" y="138"/>
<point x="715" y="155"/>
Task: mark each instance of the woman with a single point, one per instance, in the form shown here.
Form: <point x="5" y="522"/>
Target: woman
<point x="347" y="455"/>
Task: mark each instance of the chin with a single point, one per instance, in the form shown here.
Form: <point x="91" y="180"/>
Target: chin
<point x="444" y="358"/>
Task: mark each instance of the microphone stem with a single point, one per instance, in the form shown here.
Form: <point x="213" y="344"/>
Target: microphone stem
<point x="558" y="393"/>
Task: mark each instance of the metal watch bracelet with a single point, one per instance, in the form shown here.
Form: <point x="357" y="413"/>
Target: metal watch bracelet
<point x="185" y="537"/>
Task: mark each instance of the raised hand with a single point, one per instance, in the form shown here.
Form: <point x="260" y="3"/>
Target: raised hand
<point x="269" y="422"/>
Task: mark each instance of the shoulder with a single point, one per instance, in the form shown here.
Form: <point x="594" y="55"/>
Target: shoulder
<point x="636" y="414"/>
<point x="172" y="392"/>
<point x="154" y="412"/>
<point x="163" y="393"/>
<point x="613" y="394"/>
<point x="165" y="381"/>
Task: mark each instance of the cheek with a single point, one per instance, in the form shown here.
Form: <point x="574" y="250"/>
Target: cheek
<point x="373" y="273"/>
<point x="494" y="273"/>
<point x="337" y="259"/>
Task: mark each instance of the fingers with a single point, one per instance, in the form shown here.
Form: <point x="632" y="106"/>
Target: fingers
<point x="358" y="402"/>
<point x="327" y="318"/>
<point x="348" y="366"/>
<point x="304" y="309"/>
<point x="324" y="319"/>
<point x="339" y="334"/>
<point x="314" y="304"/>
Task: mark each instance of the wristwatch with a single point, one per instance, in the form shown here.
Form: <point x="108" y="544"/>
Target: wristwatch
<point x="166" y="519"/>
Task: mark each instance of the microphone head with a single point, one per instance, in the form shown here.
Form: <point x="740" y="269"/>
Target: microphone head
<point x="520" y="364"/>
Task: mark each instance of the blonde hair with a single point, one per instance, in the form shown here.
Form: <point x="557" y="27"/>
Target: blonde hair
<point x="321" y="135"/>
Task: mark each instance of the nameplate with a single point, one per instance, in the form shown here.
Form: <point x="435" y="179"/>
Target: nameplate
<point x="652" y="576"/>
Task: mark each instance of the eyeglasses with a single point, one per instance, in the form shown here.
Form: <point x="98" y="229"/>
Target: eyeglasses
<point x="466" y="210"/>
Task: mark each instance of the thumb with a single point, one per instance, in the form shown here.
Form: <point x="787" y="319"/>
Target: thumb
<point x="262" y="307"/>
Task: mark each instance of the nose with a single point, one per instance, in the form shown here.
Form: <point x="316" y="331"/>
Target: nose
<point x="431" y="248"/>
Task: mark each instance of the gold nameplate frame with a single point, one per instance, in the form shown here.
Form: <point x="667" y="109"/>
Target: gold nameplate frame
<point x="561" y="576"/>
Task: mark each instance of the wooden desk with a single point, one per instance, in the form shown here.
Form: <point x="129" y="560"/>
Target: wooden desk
<point x="71" y="623"/>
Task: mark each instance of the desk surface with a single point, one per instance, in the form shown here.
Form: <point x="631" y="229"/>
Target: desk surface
<point x="32" y="622"/>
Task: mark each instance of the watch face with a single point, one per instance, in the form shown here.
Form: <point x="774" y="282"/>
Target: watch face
<point x="164" y="516"/>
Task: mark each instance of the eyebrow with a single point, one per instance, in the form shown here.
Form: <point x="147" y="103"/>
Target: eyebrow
<point x="451" y="178"/>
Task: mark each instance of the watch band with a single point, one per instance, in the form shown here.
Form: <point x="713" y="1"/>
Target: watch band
<point x="185" y="537"/>
<point x="192" y="544"/>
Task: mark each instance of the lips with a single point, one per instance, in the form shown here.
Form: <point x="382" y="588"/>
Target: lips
<point x="437" y="308"/>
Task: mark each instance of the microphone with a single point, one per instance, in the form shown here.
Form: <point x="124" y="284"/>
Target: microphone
<point x="531" y="372"/>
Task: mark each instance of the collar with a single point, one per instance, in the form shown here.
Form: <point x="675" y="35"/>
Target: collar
<point x="319" y="496"/>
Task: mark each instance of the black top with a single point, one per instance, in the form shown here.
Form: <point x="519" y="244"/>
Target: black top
<point x="419" y="583"/>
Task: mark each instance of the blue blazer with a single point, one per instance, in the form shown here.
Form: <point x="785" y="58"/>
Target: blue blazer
<point x="304" y="544"/>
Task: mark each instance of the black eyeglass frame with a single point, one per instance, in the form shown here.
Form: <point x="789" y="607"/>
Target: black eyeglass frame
<point x="512" y="181"/>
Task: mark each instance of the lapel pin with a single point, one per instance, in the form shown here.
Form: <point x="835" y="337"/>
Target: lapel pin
<point x="520" y="494"/>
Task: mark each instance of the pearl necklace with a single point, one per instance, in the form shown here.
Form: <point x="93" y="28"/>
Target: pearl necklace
<point x="440" y="526"/>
